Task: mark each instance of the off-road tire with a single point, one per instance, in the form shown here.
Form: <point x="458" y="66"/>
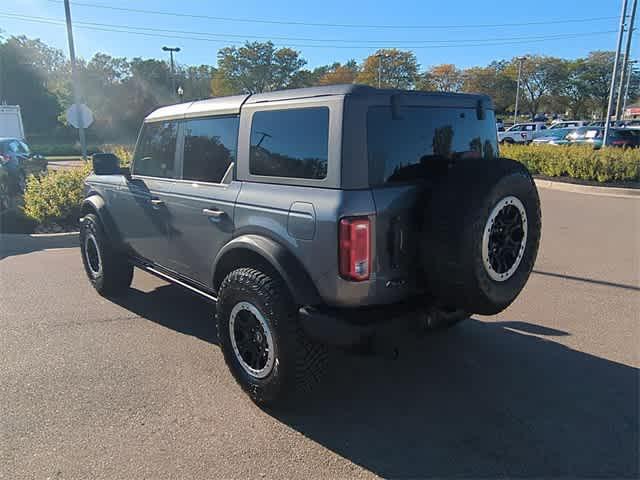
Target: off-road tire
<point x="112" y="274"/>
<point x="299" y="361"/>
<point x="455" y="219"/>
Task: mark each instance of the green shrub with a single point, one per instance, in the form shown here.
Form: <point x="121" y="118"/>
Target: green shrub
<point x="56" y="196"/>
<point x="578" y="161"/>
<point x="122" y="151"/>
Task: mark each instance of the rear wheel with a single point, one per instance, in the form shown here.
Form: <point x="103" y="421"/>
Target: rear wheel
<point x="107" y="269"/>
<point x="261" y="339"/>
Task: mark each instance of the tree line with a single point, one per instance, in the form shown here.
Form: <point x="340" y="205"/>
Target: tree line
<point x="122" y="91"/>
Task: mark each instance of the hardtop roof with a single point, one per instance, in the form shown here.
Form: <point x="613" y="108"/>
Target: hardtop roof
<point x="232" y="105"/>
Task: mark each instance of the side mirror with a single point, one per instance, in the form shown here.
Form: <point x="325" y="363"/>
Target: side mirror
<point x="106" y="164"/>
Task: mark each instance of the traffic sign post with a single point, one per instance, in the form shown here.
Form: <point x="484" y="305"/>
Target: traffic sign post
<point x="74" y="79"/>
<point x="79" y="116"/>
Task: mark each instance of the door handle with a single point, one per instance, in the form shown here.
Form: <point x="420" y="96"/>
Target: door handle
<point x="156" y="202"/>
<point x="213" y="212"/>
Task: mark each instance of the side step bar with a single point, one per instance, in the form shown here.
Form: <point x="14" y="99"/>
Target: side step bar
<point x="170" y="278"/>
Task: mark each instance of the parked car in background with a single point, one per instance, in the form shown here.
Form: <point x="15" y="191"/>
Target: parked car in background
<point x="522" y="132"/>
<point x="499" y="125"/>
<point x="13" y="153"/>
<point x="568" y="124"/>
<point x="618" y="137"/>
<point x="554" y="136"/>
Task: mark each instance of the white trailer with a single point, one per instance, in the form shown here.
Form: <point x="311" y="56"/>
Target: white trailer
<point x="11" y="122"/>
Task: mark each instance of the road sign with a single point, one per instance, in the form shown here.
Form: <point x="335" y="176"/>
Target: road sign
<point x="79" y="115"/>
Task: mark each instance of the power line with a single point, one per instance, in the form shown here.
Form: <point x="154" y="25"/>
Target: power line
<point x="306" y="39"/>
<point x="340" y="25"/>
<point x="223" y="38"/>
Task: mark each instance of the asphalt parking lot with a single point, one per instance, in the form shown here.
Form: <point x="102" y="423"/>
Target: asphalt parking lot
<point x="137" y="388"/>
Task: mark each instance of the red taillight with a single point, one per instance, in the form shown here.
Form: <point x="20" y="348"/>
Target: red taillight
<point x="619" y="142"/>
<point x="355" y="248"/>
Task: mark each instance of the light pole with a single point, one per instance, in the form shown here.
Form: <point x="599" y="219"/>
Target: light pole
<point x="379" y="55"/>
<point x="626" y="88"/>
<point x="616" y="60"/>
<point x="623" y="70"/>
<point x="515" y="112"/>
<point x="173" y="74"/>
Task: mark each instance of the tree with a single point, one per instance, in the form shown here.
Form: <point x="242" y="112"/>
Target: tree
<point x="24" y="82"/>
<point x="594" y="75"/>
<point x="541" y="77"/>
<point x="259" y="67"/>
<point x="399" y="69"/>
<point x="196" y="81"/>
<point x="443" y="78"/>
<point x="221" y="86"/>
<point x="494" y="81"/>
<point x="339" y="73"/>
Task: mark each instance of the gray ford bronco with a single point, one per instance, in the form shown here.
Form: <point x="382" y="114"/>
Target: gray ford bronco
<point x="312" y="217"/>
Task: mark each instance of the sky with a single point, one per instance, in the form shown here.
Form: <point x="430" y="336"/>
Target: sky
<point x="464" y="32"/>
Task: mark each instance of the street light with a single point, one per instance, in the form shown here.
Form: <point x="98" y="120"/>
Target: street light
<point x="173" y="75"/>
<point x="379" y="55"/>
<point x="515" y="113"/>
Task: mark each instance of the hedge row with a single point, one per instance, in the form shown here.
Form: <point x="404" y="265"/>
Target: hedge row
<point x="581" y="162"/>
<point x="54" y="198"/>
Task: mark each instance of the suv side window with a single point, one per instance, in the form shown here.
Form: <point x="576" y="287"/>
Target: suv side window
<point x="156" y="150"/>
<point x="209" y="148"/>
<point x="290" y="143"/>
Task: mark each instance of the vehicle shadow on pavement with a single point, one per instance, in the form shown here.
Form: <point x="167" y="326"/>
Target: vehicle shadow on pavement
<point x="173" y="307"/>
<point x="21" y="244"/>
<point x="480" y="400"/>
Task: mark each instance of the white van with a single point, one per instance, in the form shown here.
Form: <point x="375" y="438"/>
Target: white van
<point x="11" y="122"/>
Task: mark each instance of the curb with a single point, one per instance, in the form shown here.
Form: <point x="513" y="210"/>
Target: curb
<point x="50" y="235"/>
<point x="619" y="192"/>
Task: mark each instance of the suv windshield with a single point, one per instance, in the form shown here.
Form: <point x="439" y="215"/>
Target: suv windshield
<point x="410" y="146"/>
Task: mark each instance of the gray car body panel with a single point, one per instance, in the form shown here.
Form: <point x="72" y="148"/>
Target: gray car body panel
<point x="291" y="223"/>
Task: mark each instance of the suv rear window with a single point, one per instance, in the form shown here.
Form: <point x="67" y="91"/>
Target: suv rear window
<point x="408" y="147"/>
<point x="156" y="150"/>
<point x="290" y="143"/>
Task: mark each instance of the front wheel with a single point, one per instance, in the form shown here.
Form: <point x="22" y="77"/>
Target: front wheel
<point x="107" y="269"/>
<point x="261" y="339"/>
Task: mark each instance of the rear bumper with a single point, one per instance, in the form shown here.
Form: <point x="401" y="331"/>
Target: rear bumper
<point x="350" y="327"/>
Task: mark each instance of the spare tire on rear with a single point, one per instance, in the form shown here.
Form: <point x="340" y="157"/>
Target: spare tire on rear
<point x="481" y="235"/>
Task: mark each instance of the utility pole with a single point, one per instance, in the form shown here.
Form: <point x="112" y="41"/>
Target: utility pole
<point x="625" y="64"/>
<point x="515" y="113"/>
<point x="612" y="91"/>
<point x="626" y="88"/>
<point x="173" y="73"/>
<point x="379" y="69"/>
<point x="74" y="78"/>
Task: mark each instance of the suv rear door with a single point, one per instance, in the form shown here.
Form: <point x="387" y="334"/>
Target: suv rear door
<point x="201" y="207"/>
<point x="407" y="152"/>
<point x="139" y="204"/>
